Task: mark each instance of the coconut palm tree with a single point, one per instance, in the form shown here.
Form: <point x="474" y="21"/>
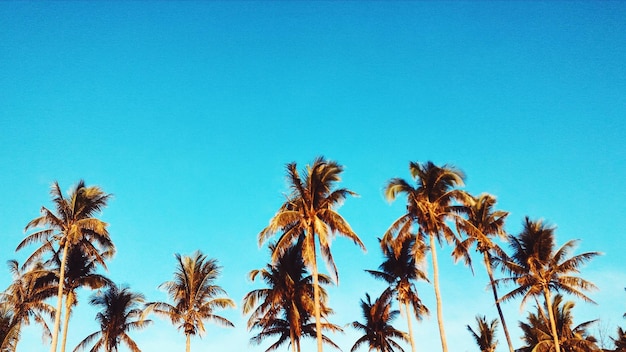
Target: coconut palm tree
<point x="483" y="223"/>
<point x="79" y="273"/>
<point x="429" y="205"/>
<point x="379" y="334"/>
<point x="620" y="341"/>
<point x="286" y="306"/>
<point x="120" y="313"/>
<point x="485" y="336"/>
<point x="537" y="268"/>
<point x="9" y="332"/>
<point x="401" y="271"/>
<point x="73" y="223"/>
<point x="282" y="328"/>
<point x="538" y="335"/>
<point x="194" y="295"/>
<point x="25" y="297"/>
<point x="309" y="212"/>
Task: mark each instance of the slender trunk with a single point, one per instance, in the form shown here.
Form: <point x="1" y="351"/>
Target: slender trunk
<point x="17" y="334"/>
<point x="555" y="336"/>
<point x="316" y="300"/>
<point x="410" y="324"/>
<point x="57" y="314"/>
<point x="442" y="333"/>
<point x="293" y="340"/>
<point x="188" y="342"/>
<point x="495" y="297"/>
<point x="69" y="301"/>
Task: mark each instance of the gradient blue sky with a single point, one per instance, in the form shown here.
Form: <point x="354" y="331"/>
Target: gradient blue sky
<point x="187" y="113"/>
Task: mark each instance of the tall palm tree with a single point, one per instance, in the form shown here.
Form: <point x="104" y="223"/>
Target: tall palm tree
<point x="309" y="212"/>
<point x="430" y="205"/>
<point x="286" y="306"/>
<point x="485" y="336"/>
<point x="80" y="272"/>
<point x="120" y="313"/>
<point x="401" y="271"/>
<point x="194" y="295"/>
<point x="537" y="268"/>
<point x="379" y="334"/>
<point x="538" y="336"/>
<point x="72" y="223"/>
<point x="483" y="223"/>
<point x="25" y="297"/>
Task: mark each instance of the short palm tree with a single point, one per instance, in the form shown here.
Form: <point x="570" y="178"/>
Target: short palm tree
<point x="483" y="223"/>
<point x="485" y="336"/>
<point x="25" y="297"/>
<point x="120" y="313"/>
<point x="9" y="332"/>
<point x="429" y="205"/>
<point x="286" y="306"/>
<point x="379" y="334"/>
<point x="309" y="212"/>
<point x="72" y="223"/>
<point x="538" y="335"/>
<point x="194" y="295"/>
<point x="537" y="268"/>
<point x="400" y="270"/>
<point x="80" y="273"/>
<point x="620" y="341"/>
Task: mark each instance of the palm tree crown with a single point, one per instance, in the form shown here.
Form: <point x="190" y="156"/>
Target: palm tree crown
<point x="485" y="336"/>
<point x="379" y="334"/>
<point x="194" y="294"/>
<point x="285" y="308"/>
<point x="119" y="314"/>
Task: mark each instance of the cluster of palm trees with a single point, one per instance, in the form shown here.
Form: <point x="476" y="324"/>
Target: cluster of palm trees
<point x="73" y="245"/>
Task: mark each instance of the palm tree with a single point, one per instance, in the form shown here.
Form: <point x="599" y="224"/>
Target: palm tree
<point x="309" y="212"/>
<point x="485" y="336"/>
<point x="9" y="332"/>
<point x="538" y="336"/>
<point x="72" y="224"/>
<point x="430" y="205"/>
<point x="379" y="334"/>
<point x="537" y="268"/>
<point x="483" y="222"/>
<point x="25" y="297"/>
<point x="80" y="272"/>
<point x="620" y="341"/>
<point x="289" y="295"/>
<point x="194" y="294"/>
<point x="283" y="329"/>
<point x="119" y="314"/>
<point x="401" y="271"/>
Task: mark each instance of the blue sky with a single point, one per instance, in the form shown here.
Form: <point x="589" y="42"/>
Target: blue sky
<point x="188" y="112"/>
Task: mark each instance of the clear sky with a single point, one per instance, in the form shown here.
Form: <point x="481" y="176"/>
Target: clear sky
<point x="187" y="112"/>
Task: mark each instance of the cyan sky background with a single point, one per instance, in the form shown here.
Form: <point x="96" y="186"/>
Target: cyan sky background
<point x="187" y="112"/>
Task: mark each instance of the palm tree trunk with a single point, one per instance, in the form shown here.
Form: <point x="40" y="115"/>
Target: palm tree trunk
<point x="69" y="301"/>
<point x="555" y="336"/>
<point x="293" y="340"/>
<point x="442" y="333"/>
<point x="57" y="314"/>
<point x="410" y="324"/>
<point x="316" y="299"/>
<point x="495" y="297"/>
<point x="188" y="342"/>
